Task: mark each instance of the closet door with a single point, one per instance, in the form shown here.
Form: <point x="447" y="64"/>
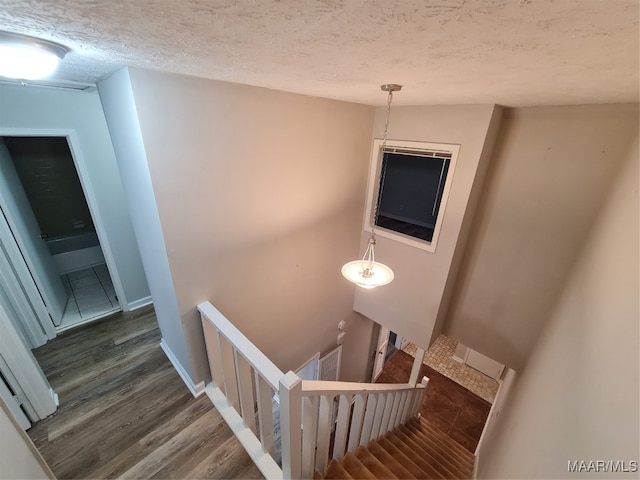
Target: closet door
<point x="21" y="290"/>
<point x="21" y="372"/>
<point x="24" y="236"/>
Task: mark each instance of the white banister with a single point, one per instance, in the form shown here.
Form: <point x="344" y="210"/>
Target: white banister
<point x="254" y="356"/>
<point x="319" y="387"/>
<point x="312" y="414"/>
<point x="243" y="378"/>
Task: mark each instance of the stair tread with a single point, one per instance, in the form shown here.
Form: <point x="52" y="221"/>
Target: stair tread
<point x="374" y="465"/>
<point x="415" y="450"/>
<point x="390" y="461"/>
<point x="441" y="462"/>
<point x="335" y="471"/>
<point x="356" y="468"/>
<point x="427" y="428"/>
<point x="415" y="470"/>
<point x="432" y="471"/>
<point x="439" y="451"/>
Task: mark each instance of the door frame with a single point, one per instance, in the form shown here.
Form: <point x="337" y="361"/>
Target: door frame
<point x="381" y="351"/>
<point x="89" y="194"/>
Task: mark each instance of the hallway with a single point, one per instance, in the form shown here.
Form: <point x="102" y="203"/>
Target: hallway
<point x="125" y="412"/>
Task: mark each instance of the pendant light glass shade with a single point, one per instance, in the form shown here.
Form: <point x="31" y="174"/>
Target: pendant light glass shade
<point x="367" y="273"/>
<point x="28" y="58"/>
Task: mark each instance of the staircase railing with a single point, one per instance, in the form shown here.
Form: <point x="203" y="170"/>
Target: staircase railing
<point x="288" y="425"/>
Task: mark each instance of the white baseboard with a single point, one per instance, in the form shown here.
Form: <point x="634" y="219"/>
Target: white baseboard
<point x="142" y="302"/>
<point x="195" y="389"/>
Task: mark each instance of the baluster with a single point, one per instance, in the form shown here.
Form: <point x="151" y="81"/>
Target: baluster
<point x="369" y="416"/>
<point x="229" y="369"/>
<point x="388" y="404"/>
<point x="377" y="418"/>
<point x="342" y="426"/>
<point x="356" y="423"/>
<point x="408" y="406"/>
<point x="310" y="407"/>
<point x="245" y="387"/>
<point x="264" y="394"/>
<point x="213" y="353"/>
<point x="394" y="410"/>
<point x="325" y="418"/>
<point x="399" y="410"/>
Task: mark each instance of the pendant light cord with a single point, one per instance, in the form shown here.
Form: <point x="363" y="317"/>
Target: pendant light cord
<point x="383" y="170"/>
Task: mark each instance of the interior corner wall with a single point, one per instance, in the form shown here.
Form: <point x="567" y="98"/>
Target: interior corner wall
<point x="551" y="169"/>
<point x="260" y="196"/>
<point x="25" y="110"/>
<point x="120" y="110"/>
<point x="577" y="399"/>
<point x="411" y="304"/>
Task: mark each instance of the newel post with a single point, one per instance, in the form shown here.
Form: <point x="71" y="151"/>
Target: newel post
<point x="423" y="389"/>
<point x="417" y="365"/>
<point x="291" y="425"/>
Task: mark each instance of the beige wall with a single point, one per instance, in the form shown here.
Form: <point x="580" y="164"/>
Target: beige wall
<point x="414" y="301"/>
<point x="578" y="397"/>
<point x="19" y="457"/>
<point x="551" y="170"/>
<point x="260" y="195"/>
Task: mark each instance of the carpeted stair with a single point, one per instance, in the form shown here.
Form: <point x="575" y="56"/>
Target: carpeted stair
<point x="416" y="450"/>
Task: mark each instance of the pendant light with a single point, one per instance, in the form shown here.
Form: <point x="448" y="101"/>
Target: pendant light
<point x="367" y="273"/>
<point x="28" y="58"/>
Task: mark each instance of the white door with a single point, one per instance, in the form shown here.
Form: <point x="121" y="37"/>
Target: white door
<point x="21" y="371"/>
<point x="13" y="403"/>
<point x="381" y="351"/>
<point x="25" y="234"/>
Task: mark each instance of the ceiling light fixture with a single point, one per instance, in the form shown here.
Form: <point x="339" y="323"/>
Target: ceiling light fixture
<point x="367" y="273"/>
<point x="28" y="58"/>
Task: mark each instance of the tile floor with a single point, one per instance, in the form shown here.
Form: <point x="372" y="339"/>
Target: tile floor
<point x="91" y="296"/>
<point x="447" y="406"/>
<point x="440" y="358"/>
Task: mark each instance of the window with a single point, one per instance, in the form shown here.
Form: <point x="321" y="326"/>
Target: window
<point x="412" y="191"/>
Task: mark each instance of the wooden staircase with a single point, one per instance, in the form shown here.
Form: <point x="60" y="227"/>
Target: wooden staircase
<point x="415" y="450"/>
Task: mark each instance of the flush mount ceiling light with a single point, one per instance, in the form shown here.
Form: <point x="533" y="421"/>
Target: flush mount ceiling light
<point x="367" y="273"/>
<point x="28" y="58"/>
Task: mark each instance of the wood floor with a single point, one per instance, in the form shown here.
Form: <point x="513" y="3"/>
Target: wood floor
<point x="125" y="413"/>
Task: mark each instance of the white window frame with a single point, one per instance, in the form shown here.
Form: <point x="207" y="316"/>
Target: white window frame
<point x="372" y="189"/>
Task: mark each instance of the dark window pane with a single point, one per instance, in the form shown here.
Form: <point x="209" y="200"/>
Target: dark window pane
<point x="411" y="188"/>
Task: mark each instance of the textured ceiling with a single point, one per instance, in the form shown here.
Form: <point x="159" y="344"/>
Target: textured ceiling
<point x="510" y="52"/>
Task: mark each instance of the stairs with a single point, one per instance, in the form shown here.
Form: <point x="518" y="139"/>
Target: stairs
<point x="415" y="450"/>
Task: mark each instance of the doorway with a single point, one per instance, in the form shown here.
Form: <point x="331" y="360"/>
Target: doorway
<point x="49" y="217"/>
<point x="388" y="343"/>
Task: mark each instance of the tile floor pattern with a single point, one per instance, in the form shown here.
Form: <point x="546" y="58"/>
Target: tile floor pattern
<point x="91" y="296"/>
<point x="440" y="358"/>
